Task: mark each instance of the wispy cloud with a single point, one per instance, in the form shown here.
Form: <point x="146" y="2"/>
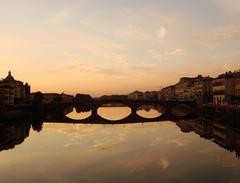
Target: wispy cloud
<point x="133" y="32"/>
<point x="159" y="54"/>
<point x="140" y="162"/>
<point x="112" y="56"/>
<point x="230" y="6"/>
<point x="220" y="35"/>
<point x="61" y="17"/>
<point x="162" y="32"/>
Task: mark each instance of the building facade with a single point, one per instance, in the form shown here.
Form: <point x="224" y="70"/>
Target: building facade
<point x="14" y="92"/>
<point x="137" y="95"/>
<point x="150" y="95"/>
<point x="226" y="88"/>
<point x="203" y="90"/>
<point x="168" y="93"/>
<point x="237" y="87"/>
<point x="185" y="90"/>
<point x="219" y="90"/>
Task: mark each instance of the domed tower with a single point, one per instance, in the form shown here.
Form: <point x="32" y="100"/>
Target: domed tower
<point x="9" y="77"/>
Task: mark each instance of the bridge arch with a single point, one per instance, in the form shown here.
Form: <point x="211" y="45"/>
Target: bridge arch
<point x="79" y="115"/>
<point x="133" y="116"/>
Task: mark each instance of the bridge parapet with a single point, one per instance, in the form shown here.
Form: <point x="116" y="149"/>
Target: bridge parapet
<point x="133" y="103"/>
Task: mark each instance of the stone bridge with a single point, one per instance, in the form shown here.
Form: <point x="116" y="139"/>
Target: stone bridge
<point x="58" y="112"/>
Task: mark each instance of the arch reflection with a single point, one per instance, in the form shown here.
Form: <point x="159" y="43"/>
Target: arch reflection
<point x="79" y="115"/>
<point x="150" y="111"/>
<point x="114" y="113"/>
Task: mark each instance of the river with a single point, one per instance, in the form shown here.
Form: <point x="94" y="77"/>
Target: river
<point x="166" y="152"/>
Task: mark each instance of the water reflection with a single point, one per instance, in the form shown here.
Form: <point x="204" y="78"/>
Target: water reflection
<point x="181" y="110"/>
<point x="79" y="115"/>
<point x="225" y="134"/>
<point x="11" y="135"/>
<point x="14" y="133"/>
<point x="196" y="150"/>
<point x="114" y="113"/>
<point x="149" y="111"/>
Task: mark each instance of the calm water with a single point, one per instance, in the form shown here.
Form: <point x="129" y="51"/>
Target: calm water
<point x="149" y="152"/>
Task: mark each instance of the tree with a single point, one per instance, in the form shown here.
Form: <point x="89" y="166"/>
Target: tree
<point x="37" y="126"/>
<point x="82" y="97"/>
<point x="37" y="101"/>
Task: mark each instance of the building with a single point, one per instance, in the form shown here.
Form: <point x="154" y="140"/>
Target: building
<point x="150" y="95"/>
<point x="137" y="95"/>
<point x="219" y="90"/>
<point x="203" y="90"/>
<point x="14" y="92"/>
<point x="237" y="87"/>
<point x="185" y="90"/>
<point x="168" y="93"/>
<point x="226" y="88"/>
<point x="65" y="98"/>
<point x="7" y="95"/>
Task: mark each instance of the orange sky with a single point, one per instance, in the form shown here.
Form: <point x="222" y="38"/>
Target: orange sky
<point x="111" y="47"/>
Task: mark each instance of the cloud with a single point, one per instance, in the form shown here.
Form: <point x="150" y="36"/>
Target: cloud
<point x="143" y="69"/>
<point x="140" y="162"/>
<point x="163" y="163"/>
<point x="61" y="17"/>
<point x="162" y="32"/>
<point x="134" y="32"/>
<point x="114" y="72"/>
<point x="178" y="51"/>
<point x="179" y="142"/>
<point x="219" y="35"/>
<point x="226" y="33"/>
<point x="230" y="6"/>
<point x="109" y="55"/>
<point x="164" y="55"/>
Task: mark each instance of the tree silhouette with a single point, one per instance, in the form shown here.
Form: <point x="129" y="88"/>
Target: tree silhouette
<point x="82" y="97"/>
<point x="37" y="126"/>
<point x="37" y="101"/>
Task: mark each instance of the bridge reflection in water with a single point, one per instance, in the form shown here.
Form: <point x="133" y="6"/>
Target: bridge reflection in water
<point x="226" y="134"/>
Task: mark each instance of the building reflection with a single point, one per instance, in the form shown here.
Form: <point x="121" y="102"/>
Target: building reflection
<point x="15" y="133"/>
<point x="225" y="134"/>
<point x="12" y="135"/>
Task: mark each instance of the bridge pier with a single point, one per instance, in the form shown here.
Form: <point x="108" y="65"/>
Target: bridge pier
<point x="94" y="111"/>
<point x="167" y="111"/>
<point x="134" y="110"/>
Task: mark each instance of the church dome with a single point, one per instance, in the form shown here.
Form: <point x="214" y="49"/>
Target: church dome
<point x="9" y="77"/>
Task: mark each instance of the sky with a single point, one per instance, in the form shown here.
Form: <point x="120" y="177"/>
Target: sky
<point x="116" y="46"/>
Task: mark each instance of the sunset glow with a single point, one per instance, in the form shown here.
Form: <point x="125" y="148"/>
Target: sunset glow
<point x="108" y="46"/>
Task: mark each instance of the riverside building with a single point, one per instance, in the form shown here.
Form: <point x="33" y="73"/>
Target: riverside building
<point x="13" y="92"/>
